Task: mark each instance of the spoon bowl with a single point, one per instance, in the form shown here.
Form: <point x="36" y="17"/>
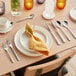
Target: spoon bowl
<point x="58" y="23"/>
<point x="65" y="24"/>
<point x="31" y="16"/>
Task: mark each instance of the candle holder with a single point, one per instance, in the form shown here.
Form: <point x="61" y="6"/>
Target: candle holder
<point x="60" y="4"/>
<point x="49" y="9"/>
<point x="28" y="4"/>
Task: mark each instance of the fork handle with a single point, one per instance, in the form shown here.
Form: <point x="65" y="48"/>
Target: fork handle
<point x="10" y="57"/>
<point x="17" y="57"/>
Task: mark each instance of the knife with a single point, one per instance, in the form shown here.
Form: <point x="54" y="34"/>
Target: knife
<point x="56" y="39"/>
<point x="57" y="30"/>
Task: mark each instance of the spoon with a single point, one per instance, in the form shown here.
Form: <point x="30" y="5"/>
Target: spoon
<point x="58" y="32"/>
<point x="65" y="24"/>
<point x="58" y="23"/>
<point x="57" y="40"/>
<point x="29" y="17"/>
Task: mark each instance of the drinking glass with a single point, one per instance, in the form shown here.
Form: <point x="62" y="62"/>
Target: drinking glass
<point x="49" y="9"/>
<point x="15" y="7"/>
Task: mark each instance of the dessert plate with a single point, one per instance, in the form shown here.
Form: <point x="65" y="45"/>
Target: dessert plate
<point x="21" y="40"/>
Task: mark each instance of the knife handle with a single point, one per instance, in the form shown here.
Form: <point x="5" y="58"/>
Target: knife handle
<point x="57" y="40"/>
<point x="17" y="57"/>
<point x="62" y="38"/>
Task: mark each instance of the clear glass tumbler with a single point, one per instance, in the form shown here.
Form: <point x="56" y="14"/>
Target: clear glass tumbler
<point x="48" y="12"/>
<point x="15" y="7"/>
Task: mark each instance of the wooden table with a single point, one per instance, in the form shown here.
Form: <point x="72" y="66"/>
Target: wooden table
<point x="5" y="64"/>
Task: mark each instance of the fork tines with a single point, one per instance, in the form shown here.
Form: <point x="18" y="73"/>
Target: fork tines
<point x="11" y="46"/>
<point x="6" y="49"/>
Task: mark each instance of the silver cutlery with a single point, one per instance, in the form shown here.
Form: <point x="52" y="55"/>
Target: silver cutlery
<point x="6" y="49"/>
<point x="65" y="24"/>
<point x="57" y="40"/>
<point x="58" y="23"/>
<point x="11" y="46"/>
<point x="29" y="17"/>
<point x="57" y="30"/>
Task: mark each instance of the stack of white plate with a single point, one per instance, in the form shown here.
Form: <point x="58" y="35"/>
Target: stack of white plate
<point x="21" y="40"/>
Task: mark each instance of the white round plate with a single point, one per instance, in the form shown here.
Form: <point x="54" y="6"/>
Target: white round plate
<point x="20" y="40"/>
<point x="6" y="30"/>
<point x="73" y="13"/>
<point x="25" y="41"/>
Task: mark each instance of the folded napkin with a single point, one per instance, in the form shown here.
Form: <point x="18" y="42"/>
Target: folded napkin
<point x="35" y="43"/>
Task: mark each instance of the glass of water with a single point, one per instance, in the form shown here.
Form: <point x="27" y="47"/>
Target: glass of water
<point x="48" y="13"/>
<point x="15" y="7"/>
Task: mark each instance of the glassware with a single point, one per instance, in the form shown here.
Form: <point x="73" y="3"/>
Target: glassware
<point x="15" y="7"/>
<point x="2" y="7"/>
<point x="49" y="9"/>
<point x="28" y="4"/>
<point x="40" y="1"/>
<point x="60" y="4"/>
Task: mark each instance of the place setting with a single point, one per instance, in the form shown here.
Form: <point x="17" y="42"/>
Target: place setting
<point x="31" y="41"/>
<point x="21" y="39"/>
<point x="41" y="42"/>
<point x="36" y="31"/>
<point x="23" y="43"/>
